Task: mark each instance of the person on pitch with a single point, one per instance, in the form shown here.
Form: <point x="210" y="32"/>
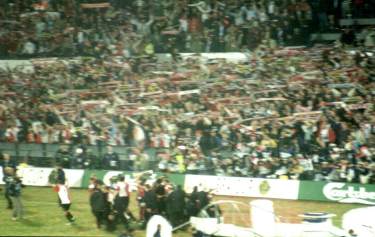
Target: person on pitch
<point x="58" y="180"/>
<point x="121" y="201"/>
<point x="98" y="204"/>
<point x="14" y="186"/>
<point x="7" y="162"/>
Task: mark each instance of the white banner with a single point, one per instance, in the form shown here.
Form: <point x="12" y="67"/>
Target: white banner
<point x="39" y="176"/>
<point x="246" y="187"/>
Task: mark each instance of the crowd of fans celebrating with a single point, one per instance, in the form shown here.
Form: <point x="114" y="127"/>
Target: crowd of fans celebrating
<point x="273" y="112"/>
<point x="296" y="113"/>
<point x="282" y="112"/>
<point x="125" y="28"/>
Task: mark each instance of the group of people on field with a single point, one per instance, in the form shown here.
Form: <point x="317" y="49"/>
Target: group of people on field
<point x="110" y="203"/>
<point x="13" y="186"/>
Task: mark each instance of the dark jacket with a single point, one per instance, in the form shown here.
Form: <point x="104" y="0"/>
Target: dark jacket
<point x="98" y="201"/>
<point x="63" y="158"/>
<point x="8" y="179"/>
<point x="202" y="199"/>
<point x="14" y="187"/>
<point x="11" y="163"/>
<point x="176" y="201"/>
<point x="111" y="161"/>
<point x="150" y="200"/>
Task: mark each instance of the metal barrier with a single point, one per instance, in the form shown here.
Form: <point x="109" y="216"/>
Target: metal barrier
<point x="43" y="155"/>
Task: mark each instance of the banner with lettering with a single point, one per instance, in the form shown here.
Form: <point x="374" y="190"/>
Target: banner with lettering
<point x="337" y="192"/>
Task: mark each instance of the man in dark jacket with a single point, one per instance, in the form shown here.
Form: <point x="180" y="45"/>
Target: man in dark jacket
<point x="109" y="212"/>
<point x="7" y="162"/>
<point x="202" y="200"/>
<point x="150" y="200"/>
<point x="63" y="156"/>
<point x="98" y="204"/>
<point x="14" y="190"/>
<point x="160" y="195"/>
<point x="78" y="159"/>
<point x="192" y="204"/>
<point x="111" y="160"/>
<point x="176" y="206"/>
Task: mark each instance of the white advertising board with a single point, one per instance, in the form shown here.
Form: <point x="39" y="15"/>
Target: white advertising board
<point x="246" y="187"/>
<point x="39" y="176"/>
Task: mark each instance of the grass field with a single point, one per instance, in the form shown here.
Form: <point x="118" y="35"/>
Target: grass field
<point x="45" y="218"/>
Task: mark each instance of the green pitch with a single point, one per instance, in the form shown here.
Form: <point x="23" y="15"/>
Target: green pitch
<point x="45" y="218"/>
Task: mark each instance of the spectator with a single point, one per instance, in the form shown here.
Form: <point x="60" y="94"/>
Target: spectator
<point x="111" y="159"/>
<point x="8" y="178"/>
<point x="13" y="188"/>
<point x="63" y="157"/>
<point x="79" y="159"/>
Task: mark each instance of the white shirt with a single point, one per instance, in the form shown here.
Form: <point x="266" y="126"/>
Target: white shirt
<point x="63" y="194"/>
<point x="123" y="189"/>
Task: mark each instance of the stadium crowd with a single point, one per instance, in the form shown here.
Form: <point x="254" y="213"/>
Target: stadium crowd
<point x="270" y="112"/>
<point x="296" y="113"/>
<point x="32" y="28"/>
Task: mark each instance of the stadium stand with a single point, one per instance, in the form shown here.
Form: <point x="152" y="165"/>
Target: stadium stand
<point x="300" y="113"/>
<point x="164" y="88"/>
<point x="127" y="28"/>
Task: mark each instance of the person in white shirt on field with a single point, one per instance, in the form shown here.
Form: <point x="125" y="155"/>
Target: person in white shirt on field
<point x="60" y="186"/>
<point x="121" y="201"/>
<point x="65" y="202"/>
